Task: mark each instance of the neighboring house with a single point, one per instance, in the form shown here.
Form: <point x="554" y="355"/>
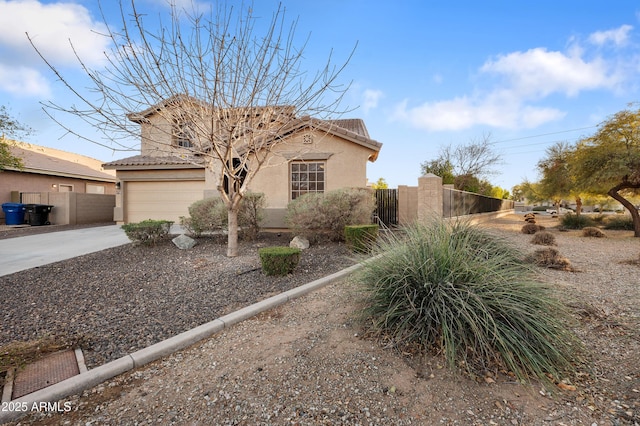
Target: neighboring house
<point x="51" y="170"/>
<point x="48" y="170"/>
<point x="166" y="178"/>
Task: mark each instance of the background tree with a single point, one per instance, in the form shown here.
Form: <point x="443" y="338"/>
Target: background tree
<point x="439" y="167"/>
<point x="466" y="166"/>
<point x="557" y="180"/>
<point x="10" y="129"/>
<point x="609" y="161"/>
<point x="237" y="84"/>
<point x="380" y="184"/>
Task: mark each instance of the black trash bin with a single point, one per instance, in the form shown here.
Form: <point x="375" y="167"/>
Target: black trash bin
<point x="37" y="214"/>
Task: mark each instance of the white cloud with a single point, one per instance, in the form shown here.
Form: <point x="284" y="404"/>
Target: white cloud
<point x="508" y="86"/>
<point x="51" y="26"/>
<point x="460" y="113"/>
<point x="22" y="81"/>
<point x="538" y="72"/>
<point x="371" y="99"/>
<point x="617" y="36"/>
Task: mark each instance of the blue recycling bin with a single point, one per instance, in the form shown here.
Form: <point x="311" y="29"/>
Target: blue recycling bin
<point x="13" y="213"/>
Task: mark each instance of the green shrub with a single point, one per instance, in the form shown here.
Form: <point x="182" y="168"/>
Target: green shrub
<point x="360" y="238"/>
<point x="251" y="214"/>
<point x="544" y="238"/>
<point x="469" y="295"/>
<point x="573" y="221"/>
<point x="148" y="232"/>
<point x="208" y="215"/>
<point x="621" y="223"/>
<point x="279" y="260"/>
<point x="211" y="215"/>
<point x="598" y="218"/>
<point x="592" y="231"/>
<point x="316" y="214"/>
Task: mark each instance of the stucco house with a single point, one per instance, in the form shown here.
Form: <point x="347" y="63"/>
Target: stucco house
<point x="169" y="175"/>
<point x="51" y="171"/>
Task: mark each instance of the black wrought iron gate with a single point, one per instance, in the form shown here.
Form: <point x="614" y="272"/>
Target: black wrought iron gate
<point x="387" y="206"/>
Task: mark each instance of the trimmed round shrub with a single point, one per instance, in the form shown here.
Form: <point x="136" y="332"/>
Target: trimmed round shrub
<point x="316" y="214"/>
<point x="531" y="228"/>
<point x="550" y="257"/>
<point x="592" y="231"/>
<point x="460" y="291"/>
<point x="211" y="215"/>
<point x="544" y="238"/>
<point x="208" y="215"/>
<point x="279" y="261"/>
<point x="148" y="232"/>
<point x="573" y="221"/>
<point x="360" y="238"/>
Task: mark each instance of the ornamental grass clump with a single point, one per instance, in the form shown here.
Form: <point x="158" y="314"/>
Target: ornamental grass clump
<point x="462" y="292"/>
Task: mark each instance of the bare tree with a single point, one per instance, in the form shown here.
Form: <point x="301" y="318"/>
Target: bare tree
<point x="464" y="164"/>
<point x="231" y="87"/>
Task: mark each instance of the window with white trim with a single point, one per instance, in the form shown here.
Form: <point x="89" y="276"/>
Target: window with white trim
<point x="183" y="135"/>
<point x="306" y="177"/>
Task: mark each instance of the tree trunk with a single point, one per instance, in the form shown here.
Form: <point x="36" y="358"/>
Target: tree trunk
<point x="613" y="192"/>
<point x="232" y="237"/>
<point x="578" y="206"/>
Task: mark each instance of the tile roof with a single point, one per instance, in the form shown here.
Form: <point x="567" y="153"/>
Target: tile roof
<point x="157" y="161"/>
<point x="37" y="160"/>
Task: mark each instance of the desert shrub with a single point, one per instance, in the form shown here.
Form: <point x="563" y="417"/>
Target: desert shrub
<point x="463" y="292"/>
<point x="598" y="218"/>
<point x="208" y="215"/>
<point x="279" y="260"/>
<point x="360" y="238"/>
<point x="315" y="214"/>
<point x="211" y="215"/>
<point x="251" y="214"/>
<point x="148" y="232"/>
<point x="549" y="257"/>
<point x="544" y="238"/>
<point x="622" y="223"/>
<point x="531" y="228"/>
<point x="573" y="221"/>
<point x="592" y="231"/>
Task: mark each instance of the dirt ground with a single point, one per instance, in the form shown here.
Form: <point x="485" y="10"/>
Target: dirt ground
<point x="308" y="363"/>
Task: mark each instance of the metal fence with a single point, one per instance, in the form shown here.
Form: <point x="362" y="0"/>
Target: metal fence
<point x="387" y="206"/>
<point x="461" y="203"/>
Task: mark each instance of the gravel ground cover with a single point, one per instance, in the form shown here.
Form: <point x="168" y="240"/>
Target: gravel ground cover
<point x="122" y="299"/>
<point x="309" y="363"/>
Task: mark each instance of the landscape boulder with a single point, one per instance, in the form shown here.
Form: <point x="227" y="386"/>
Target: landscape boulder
<point x="184" y="242"/>
<point x="299" y="243"/>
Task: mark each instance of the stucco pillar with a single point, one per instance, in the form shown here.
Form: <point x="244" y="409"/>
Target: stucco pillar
<point x="407" y="204"/>
<point x="429" y="196"/>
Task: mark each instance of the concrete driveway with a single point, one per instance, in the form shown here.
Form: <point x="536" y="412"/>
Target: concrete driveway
<point x="18" y="254"/>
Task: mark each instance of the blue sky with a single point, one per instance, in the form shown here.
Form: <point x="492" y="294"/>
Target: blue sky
<point x="425" y="74"/>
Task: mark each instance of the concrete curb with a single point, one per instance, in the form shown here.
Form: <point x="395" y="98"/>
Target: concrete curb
<point x="76" y="384"/>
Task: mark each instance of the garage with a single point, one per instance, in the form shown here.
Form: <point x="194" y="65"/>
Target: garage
<point x="166" y="200"/>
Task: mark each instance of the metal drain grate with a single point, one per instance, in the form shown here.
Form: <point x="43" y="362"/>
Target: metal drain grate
<point x="45" y="372"/>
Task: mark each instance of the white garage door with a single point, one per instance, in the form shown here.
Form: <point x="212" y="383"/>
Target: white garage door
<point x="161" y="200"/>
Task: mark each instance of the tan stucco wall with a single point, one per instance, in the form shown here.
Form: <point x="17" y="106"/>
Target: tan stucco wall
<point x="346" y="166"/>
